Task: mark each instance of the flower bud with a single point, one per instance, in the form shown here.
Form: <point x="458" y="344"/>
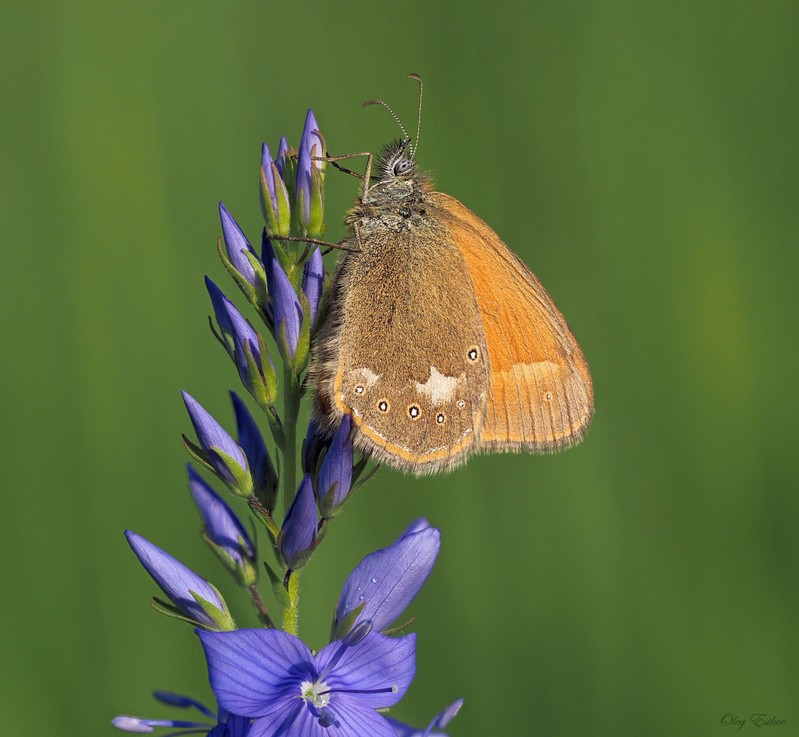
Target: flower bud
<point x="224" y="532"/>
<point x="242" y="260"/>
<point x="246" y="348"/>
<point x="297" y="538"/>
<point x="274" y="197"/>
<point x="313" y="282"/>
<point x="309" y="191"/>
<point x="192" y="595"/>
<point x="263" y="472"/>
<point x="218" y="451"/>
<point x="286" y="309"/>
<point x="335" y="475"/>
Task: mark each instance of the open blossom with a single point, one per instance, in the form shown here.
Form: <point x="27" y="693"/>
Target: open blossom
<point x="274" y="678"/>
<point x="385" y="582"/>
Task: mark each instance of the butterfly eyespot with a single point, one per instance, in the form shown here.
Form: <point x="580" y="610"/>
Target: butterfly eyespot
<point x="461" y="404"/>
<point x="440" y="419"/>
<point x="382" y="405"/>
<point x="473" y="353"/>
<point x="359" y="389"/>
<point x="402" y="166"/>
<point x="548" y="396"/>
<point x="414" y="412"/>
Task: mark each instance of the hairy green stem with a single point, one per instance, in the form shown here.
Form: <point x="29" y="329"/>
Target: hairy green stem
<point x="291" y="610"/>
<point x="288" y="481"/>
<point x="291" y="408"/>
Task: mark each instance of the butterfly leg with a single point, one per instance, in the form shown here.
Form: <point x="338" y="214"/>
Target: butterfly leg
<point x="367" y="174"/>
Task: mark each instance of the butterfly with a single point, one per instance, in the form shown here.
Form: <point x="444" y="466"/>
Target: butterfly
<point x="440" y="342"/>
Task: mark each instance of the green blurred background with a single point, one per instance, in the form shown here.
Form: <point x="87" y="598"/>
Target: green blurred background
<point x="641" y="157"/>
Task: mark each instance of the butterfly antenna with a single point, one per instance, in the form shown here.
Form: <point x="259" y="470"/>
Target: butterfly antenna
<point x="393" y="115"/>
<point x="418" y="78"/>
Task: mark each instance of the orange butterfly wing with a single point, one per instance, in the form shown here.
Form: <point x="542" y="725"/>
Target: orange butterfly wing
<point x="540" y="392"/>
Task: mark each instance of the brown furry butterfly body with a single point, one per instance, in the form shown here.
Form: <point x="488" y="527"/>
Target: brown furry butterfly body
<point x="439" y="341"/>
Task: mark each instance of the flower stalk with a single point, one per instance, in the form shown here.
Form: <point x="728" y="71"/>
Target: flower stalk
<point x="348" y="684"/>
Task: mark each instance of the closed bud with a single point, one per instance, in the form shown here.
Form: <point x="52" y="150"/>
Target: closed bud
<point x="217" y="450"/>
<point x="275" y="203"/>
<point x="224" y="532"/>
<point x="309" y="190"/>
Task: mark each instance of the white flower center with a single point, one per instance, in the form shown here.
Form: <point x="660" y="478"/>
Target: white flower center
<point x="314" y="692"/>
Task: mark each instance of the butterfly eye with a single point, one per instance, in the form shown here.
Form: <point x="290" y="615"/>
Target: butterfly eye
<point x="402" y="166"/>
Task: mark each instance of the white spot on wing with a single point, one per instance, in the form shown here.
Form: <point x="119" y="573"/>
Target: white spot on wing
<point x="368" y="376"/>
<point x="440" y="388"/>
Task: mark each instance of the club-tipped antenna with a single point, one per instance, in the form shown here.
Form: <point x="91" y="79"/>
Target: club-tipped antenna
<point x="418" y="78"/>
<point x="393" y="115"/>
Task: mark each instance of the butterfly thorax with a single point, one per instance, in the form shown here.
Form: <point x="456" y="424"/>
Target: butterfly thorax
<point x="397" y="200"/>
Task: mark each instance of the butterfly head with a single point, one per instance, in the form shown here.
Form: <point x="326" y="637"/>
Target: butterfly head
<point x="396" y="162"/>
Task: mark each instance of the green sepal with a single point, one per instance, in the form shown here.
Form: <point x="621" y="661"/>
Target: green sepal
<point x="256" y="382"/>
<point x="304" y="341"/>
<point x="399" y="628"/>
<point x="327" y="502"/>
<point x="290" y="171"/>
<point x="261" y="298"/>
<point x="278" y="589"/>
<point x="338" y="630"/>
<point x="221" y="617"/>
<point x="316" y="222"/>
<point x="286" y="261"/>
<point x="319" y="157"/>
<point x="242" y="484"/>
<point x="264" y="516"/>
<point x="198" y="454"/>
<point x="221" y="336"/>
<point x="358" y="469"/>
<point x="283" y="345"/>
<point x="276" y="427"/>
<point x="171" y="611"/>
<point x="301" y="560"/>
<point x="243" y="284"/>
<point x="270" y="376"/>
<point x="245" y="573"/>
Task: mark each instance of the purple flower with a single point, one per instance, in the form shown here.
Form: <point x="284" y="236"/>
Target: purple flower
<point x="309" y="191"/>
<point x="274" y="196"/>
<point x="274" y="678"/>
<point x="238" y="247"/>
<point x="192" y="595"/>
<point x="225" y="725"/>
<point x="264" y="476"/>
<point x="335" y="475"/>
<point x="224" y="531"/>
<point x="439" y="722"/>
<point x="257" y="375"/>
<point x="218" y="451"/>
<point x="385" y="582"/>
<point x="297" y="538"/>
<point x="286" y="308"/>
<point x="313" y="282"/>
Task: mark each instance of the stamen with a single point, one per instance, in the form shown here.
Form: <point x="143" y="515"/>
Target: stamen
<point x="390" y="689"/>
<point x="353" y="637"/>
